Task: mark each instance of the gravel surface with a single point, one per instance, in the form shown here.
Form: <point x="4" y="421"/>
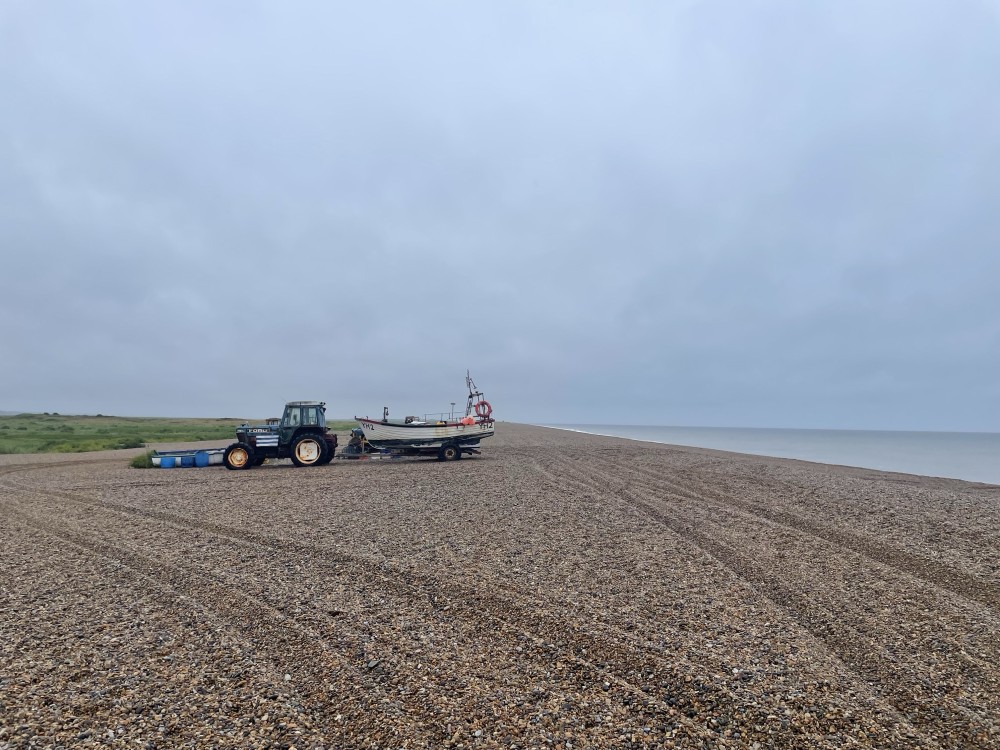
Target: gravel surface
<point x="558" y="591"/>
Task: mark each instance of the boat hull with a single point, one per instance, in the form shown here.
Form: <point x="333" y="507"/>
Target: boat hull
<point x="386" y="434"/>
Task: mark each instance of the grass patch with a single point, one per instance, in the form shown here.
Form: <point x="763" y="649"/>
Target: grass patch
<point x="143" y="461"/>
<point x="341" y="425"/>
<point x="55" y="433"/>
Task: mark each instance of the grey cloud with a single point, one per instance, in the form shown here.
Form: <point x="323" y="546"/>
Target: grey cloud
<point x="680" y="213"/>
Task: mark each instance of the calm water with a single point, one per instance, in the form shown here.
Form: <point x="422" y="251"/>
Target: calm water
<point x="974" y="456"/>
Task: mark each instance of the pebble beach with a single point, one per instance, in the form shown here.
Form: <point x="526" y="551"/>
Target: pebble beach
<point x="560" y="590"/>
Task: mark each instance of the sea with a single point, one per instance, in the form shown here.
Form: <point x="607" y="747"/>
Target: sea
<point x="973" y="456"/>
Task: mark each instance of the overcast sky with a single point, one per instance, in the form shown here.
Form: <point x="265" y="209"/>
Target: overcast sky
<point x="773" y="213"/>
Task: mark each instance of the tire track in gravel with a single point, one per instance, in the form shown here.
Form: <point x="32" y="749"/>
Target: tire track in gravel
<point x="244" y="614"/>
<point x="661" y="683"/>
<point x="41" y="465"/>
<point x="982" y="668"/>
<point x="603" y="484"/>
<point x="941" y="576"/>
<point x="550" y="639"/>
<point x="938" y="574"/>
<point x="656" y="484"/>
<point x="844" y="640"/>
<point x="441" y="594"/>
<point x="89" y="650"/>
<point x="609" y="654"/>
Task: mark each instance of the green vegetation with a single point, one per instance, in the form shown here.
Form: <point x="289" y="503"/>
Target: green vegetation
<point x="55" y="433"/>
<point x="143" y="461"/>
<point x="341" y="425"/>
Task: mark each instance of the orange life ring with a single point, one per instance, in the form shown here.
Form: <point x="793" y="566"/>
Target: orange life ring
<point x="483" y="409"/>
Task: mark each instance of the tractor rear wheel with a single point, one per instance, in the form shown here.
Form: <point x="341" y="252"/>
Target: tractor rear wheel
<point x="331" y="450"/>
<point x="238" y="456"/>
<point x="309" y="450"/>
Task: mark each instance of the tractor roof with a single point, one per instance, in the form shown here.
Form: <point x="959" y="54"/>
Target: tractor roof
<point x="306" y="403"/>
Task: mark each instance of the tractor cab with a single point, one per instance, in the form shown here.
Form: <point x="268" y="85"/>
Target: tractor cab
<point x="302" y="416"/>
<point x="300" y="413"/>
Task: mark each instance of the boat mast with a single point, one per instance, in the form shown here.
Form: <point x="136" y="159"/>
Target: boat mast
<point x="474" y="393"/>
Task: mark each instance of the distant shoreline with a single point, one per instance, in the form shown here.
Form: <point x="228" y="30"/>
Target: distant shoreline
<point x="967" y="456"/>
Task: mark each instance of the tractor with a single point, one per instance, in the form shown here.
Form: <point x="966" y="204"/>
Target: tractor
<point x="301" y="435"/>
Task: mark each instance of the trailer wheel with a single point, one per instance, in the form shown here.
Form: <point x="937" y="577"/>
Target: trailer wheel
<point x="238" y="456"/>
<point x="308" y="450"/>
<point x="449" y="453"/>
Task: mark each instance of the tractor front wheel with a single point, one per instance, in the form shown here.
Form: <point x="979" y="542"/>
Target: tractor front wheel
<point x="238" y="456"/>
<point x="309" y="450"/>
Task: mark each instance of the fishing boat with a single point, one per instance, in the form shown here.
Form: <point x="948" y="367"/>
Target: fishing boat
<point x="441" y="434"/>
